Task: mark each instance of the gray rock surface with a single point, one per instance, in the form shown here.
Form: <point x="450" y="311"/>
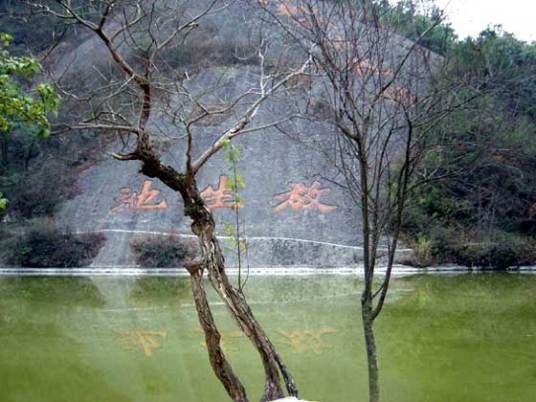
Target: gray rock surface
<point x="294" y="213"/>
<point x="285" y="226"/>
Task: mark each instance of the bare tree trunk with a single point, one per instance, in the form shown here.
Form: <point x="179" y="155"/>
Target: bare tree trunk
<point x="213" y="261"/>
<point x="140" y="83"/>
<point x="221" y="367"/>
<point x="370" y="342"/>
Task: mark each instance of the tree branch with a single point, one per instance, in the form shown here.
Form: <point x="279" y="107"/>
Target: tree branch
<point x="245" y="120"/>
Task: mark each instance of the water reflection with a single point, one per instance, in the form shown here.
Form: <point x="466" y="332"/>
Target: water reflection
<point x="228" y="340"/>
<point x="462" y="338"/>
<point x="67" y="291"/>
<point x="161" y="290"/>
<point x="306" y="341"/>
<point x="39" y="358"/>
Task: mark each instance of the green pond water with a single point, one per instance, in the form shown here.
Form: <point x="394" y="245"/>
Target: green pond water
<point x="441" y="338"/>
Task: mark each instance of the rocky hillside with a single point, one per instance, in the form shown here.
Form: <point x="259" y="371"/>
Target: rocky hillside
<point x="294" y="210"/>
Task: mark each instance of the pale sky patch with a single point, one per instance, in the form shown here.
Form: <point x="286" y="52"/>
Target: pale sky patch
<point x="470" y="17"/>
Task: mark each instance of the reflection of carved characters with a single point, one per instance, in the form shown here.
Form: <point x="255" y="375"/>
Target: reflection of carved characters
<point x="302" y="197"/>
<point x="222" y="197"/>
<point x="147" y="340"/>
<point x="305" y="341"/>
<point x="145" y="200"/>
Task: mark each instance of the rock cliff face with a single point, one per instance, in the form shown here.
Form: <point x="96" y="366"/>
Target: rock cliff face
<point x="293" y="212"/>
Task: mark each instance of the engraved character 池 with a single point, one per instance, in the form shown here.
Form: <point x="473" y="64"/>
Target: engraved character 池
<point x="145" y="200"/>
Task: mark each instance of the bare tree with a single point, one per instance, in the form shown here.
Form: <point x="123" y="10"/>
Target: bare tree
<point x="383" y="96"/>
<point x="135" y="35"/>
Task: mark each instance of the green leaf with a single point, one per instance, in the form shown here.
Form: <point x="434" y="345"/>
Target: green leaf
<point x="240" y="181"/>
<point x="235" y="152"/>
<point x="230" y="185"/>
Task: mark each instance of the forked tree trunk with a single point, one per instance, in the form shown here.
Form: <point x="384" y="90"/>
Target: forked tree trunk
<point x="370" y="343"/>
<point x="213" y="261"/>
<point x="221" y="367"/>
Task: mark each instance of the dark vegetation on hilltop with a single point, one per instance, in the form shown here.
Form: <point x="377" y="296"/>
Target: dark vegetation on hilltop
<point x="482" y="212"/>
<point x="482" y="209"/>
<point x="38" y="172"/>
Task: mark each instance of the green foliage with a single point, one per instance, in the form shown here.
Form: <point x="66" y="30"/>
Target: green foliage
<point x="236" y="183"/>
<point x="231" y="156"/>
<point x="229" y="229"/>
<point x="23" y="109"/>
<point x="3" y="201"/>
<point x="505" y="65"/>
<point x="487" y="156"/>
<point x="423" y="250"/>
<point x="39" y="174"/>
<point x="412" y="22"/>
<point x="31" y="195"/>
<point x="17" y="104"/>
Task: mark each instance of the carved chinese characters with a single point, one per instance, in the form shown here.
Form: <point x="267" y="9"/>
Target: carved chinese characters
<point x="303" y="197"/>
<point x="299" y="197"/>
<point x="147" y="199"/>
<point x="222" y="197"/>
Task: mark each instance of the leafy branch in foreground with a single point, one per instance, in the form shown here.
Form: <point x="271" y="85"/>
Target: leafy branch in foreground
<point x="232" y="230"/>
<point x="20" y="102"/>
<point x="17" y="103"/>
